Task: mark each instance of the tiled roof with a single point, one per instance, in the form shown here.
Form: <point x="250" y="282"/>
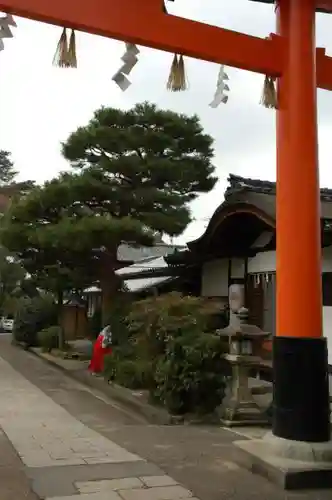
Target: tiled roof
<point x="143" y="265"/>
<point x="237" y="183"/>
<point x="138" y="253"/>
<point x="139" y="284"/>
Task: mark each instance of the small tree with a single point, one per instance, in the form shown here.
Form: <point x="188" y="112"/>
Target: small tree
<point x="8" y="174"/>
<point x="7" y="170"/>
<point x="11" y="276"/>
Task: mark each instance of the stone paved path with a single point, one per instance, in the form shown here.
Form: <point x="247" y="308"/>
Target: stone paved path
<point x="45" y="435"/>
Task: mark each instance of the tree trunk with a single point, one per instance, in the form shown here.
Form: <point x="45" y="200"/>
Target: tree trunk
<point x="61" y="333"/>
<point x="108" y="285"/>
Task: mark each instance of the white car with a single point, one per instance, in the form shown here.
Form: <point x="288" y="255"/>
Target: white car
<point x="7" y="324"/>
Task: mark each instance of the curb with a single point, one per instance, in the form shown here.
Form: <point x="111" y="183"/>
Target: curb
<point x="121" y="395"/>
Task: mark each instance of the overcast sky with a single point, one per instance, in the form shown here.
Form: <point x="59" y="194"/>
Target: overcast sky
<point x="41" y="105"/>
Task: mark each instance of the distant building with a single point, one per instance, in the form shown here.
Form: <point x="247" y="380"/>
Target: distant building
<point x="135" y="260"/>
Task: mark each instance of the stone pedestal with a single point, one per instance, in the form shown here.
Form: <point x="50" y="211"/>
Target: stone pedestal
<point x="239" y="407"/>
<point x="293" y="465"/>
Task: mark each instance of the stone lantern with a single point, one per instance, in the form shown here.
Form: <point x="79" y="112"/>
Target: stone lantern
<point x="239" y="407"/>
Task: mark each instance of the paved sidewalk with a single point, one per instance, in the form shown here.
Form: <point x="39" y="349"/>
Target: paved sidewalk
<point x="14" y="484"/>
<point x="86" y="447"/>
<point x="45" y="435"/>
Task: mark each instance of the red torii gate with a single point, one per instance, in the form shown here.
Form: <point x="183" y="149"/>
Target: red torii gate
<point x="301" y="404"/>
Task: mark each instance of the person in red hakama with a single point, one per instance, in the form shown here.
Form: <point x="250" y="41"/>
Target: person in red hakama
<point x="102" y="347"/>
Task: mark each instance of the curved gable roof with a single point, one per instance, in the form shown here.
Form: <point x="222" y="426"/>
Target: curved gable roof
<point x="256" y="197"/>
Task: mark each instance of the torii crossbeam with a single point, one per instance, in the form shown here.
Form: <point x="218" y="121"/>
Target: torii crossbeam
<point x="301" y="402"/>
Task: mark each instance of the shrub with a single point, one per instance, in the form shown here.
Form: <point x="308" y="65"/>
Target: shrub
<point x="170" y="351"/>
<point x="48" y="338"/>
<point x="191" y="376"/>
<point x="153" y="321"/>
<point x="109" y="371"/>
<point x="131" y="373"/>
<point x="33" y="315"/>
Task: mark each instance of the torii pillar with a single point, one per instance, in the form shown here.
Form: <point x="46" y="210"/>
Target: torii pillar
<point x="299" y="450"/>
<point x="301" y="395"/>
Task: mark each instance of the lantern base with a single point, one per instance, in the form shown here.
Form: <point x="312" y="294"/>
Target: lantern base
<point x="239" y="407"/>
<point x="242" y="415"/>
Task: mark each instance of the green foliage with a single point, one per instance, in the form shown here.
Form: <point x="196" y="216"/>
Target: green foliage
<point x="109" y="370"/>
<point x="32" y="316"/>
<point x="134" y="174"/>
<point x="154" y="162"/>
<point x="8" y="175"/>
<point x="7" y="170"/>
<point x="190" y="377"/>
<point x="130" y="373"/>
<point x="155" y="320"/>
<point x="48" y="338"/>
<point x="171" y="351"/>
<point x="12" y="274"/>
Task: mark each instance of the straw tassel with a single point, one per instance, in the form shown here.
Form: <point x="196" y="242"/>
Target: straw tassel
<point x="182" y="74"/>
<point x="61" y="54"/>
<point x="177" y="80"/>
<point x="65" y="54"/>
<point x="269" y="95"/>
<point x="71" y="56"/>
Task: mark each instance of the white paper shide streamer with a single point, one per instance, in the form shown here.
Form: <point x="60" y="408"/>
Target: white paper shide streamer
<point x="129" y="60"/>
<point x="222" y="87"/>
<point x="6" y="22"/>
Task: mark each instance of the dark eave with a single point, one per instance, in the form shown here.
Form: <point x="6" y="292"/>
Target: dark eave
<point x="250" y="196"/>
<point x="239" y="184"/>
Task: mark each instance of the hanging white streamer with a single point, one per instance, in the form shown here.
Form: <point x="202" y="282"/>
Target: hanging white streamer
<point x="222" y="87"/>
<point x="5" y="31"/>
<point x="129" y="60"/>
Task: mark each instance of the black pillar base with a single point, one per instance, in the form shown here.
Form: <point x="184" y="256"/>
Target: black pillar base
<point x="301" y="402"/>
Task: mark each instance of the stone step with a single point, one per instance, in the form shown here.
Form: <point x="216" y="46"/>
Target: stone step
<point x="260" y="387"/>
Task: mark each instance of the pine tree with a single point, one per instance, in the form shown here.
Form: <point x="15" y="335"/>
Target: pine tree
<point x="134" y="175"/>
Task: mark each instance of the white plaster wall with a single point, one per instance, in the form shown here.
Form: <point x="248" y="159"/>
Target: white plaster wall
<point x="327" y="311"/>
<point x="327" y="329"/>
<point x="327" y="260"/>
<point x="262" y="262"/>
<point x="238" y="268"/>
<point x="266" y="261"/>
<point x="215" y="278"/>
<point x="216" y="271"/>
